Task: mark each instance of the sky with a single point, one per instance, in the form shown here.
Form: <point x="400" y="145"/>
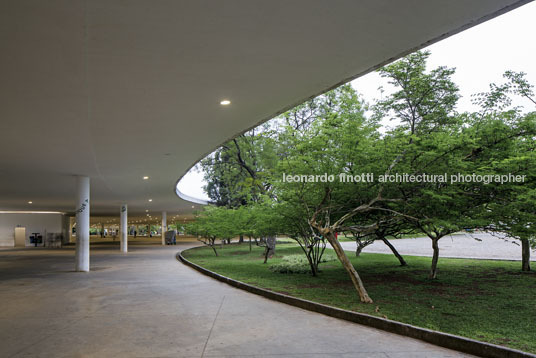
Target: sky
<point x="480" y="56"/>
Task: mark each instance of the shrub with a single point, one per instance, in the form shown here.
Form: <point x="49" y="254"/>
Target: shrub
<point x="296" y="264"/>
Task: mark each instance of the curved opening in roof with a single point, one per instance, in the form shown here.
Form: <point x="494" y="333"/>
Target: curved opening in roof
<point x="466" y="51"/>
<point x="190" y="187"/>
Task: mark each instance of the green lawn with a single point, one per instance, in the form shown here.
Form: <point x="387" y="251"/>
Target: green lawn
<point x="490" y="301"/>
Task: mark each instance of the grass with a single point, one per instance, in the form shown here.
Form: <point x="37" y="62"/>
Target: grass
<point x="490" y="301"/>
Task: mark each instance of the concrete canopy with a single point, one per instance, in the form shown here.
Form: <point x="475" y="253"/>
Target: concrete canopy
<point x="117" y="90"/>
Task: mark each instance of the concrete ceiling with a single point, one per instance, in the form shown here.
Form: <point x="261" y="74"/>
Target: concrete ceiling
<point x="118" y="89"/>
<point x="114" y="221"/>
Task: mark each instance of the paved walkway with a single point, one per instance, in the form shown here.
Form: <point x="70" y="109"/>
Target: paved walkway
<point x="147" y="304"/>
<point x="478" y="245"/>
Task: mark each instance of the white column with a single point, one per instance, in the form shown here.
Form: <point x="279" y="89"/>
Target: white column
<point x="123" y="229"/>
<point x="164" y="227"/>
<point x="82" y="224"/>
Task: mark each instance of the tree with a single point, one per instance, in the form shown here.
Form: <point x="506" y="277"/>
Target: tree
<point x="332" y="144"/>
<point x="424" y="101"/>
<point x="213" y="223"/>
<point x="261" y="223"/>
<point x="292" y="222"/>
<point x="513" y="211"/>
<point x="425" y="105"/>
<point x="237" y="173"/>
<point x="200" y="230"/>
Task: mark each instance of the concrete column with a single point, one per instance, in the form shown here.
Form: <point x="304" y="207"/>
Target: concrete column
<point x="82" y="224"/>
<point x="123" y="229"/>
<point x="164" y="227"/>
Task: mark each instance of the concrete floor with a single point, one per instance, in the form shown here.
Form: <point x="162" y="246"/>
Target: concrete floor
<point x="147" y="304"/>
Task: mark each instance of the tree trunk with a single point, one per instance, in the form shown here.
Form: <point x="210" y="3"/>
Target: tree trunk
<point x="314" y="268"/>
<point x="241" y="239"/>
<point x="435" y="258"/>
<point x="358" y="250"/>
<point x="354" y="276"/>
<point x="395" y="252"/>
<point x="212" y="244"/>
<point x="266" y="251"/>
<point x="250" y="244"/>
<point x="270" y="247"/>
<point x="525" y="255"/>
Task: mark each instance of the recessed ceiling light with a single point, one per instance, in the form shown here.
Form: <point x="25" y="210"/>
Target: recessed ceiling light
<point x="150" y="199"/>
<point x="145" y="177"/>
<point x="225" y="102"/>
<point x="30" y="202"/>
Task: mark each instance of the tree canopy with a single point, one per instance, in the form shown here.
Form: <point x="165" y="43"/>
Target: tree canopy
<point x="328" y="167"/>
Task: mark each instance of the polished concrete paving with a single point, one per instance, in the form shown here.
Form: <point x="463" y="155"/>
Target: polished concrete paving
<point x="147" y="304"/>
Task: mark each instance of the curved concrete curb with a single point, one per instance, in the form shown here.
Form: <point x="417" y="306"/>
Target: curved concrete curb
<point x="446" y="340"/>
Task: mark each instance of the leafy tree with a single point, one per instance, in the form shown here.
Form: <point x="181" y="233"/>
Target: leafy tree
<point x="214" y="223"/>
<point x="237" y="173"/>
<point x="424" y="101"/>
<point x="337" y="142"/>
<point x="513" y="211"/>
<point x="331" y="135"/>
<point x="259" y="221"/>
<point x="199" y="229"/>
<point x="292" y="222"/>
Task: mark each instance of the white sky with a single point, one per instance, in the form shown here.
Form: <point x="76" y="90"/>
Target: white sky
<point x="480" y="56"/>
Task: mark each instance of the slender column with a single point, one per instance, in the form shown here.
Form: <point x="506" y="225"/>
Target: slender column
<point x="164" y="227"/>
<point x="123" y="230"/>
<point x="82" y="224"/>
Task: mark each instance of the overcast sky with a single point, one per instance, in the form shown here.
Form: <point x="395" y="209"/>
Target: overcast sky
<point x="480" y="56"/>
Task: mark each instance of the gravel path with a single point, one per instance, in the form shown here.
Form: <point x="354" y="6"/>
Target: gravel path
<point x="477" y="245"/>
